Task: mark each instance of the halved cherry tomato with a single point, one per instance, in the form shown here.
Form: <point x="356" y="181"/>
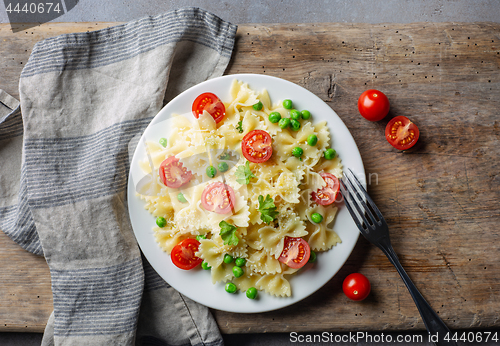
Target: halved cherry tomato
<point x="256" y="146"/>
<point x="218" y="197"/>
<point x="212" y="104"/>
<point x="328" y="194"/>
<point x="401" y="133"/>
<point x="173" y="174"/>
<point x="296" y="252"/>
<point x="356" y="286"/>
<point x="373" y="105"/>
<point x="183" y="254"/>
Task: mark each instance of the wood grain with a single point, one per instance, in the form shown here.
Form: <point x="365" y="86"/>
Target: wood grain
<point x="440" y="198"/>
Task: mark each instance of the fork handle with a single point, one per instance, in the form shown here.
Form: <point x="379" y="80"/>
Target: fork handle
<point x="434" y="325"/>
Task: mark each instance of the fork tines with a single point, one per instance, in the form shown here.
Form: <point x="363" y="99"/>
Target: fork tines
<point x="358" y="208"/>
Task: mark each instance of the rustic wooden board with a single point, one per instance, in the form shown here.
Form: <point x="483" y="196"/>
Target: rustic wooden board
<point x="440" y="198"/>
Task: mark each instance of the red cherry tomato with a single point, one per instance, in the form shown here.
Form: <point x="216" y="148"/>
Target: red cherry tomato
<point x="401" y="133"/>
<point x="373" y="105"/>
<point x="327" y="194"/>
<point x="212" y="104"/>
<point x="183" y="254"/>
<point x="173" y="174"/>
<point x="356" y="286"/>
<point x="296" y="252"/>
<point x="256" y="146"/>
<point x="218" y="197"/>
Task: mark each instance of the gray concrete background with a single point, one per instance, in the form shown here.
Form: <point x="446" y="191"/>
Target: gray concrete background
<point x="291" y="11"/>
<point x="275" y="11"/>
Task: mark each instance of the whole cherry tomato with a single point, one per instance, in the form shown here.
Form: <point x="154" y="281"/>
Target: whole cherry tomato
<point x="356" y="286"/>
<point x="373" y="105"/>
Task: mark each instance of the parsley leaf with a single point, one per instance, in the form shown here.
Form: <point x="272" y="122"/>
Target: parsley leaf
<point x="267" y="209"/>
<point x="240" y="126"/>
<point x="244" y="174"/>
<point x="228" y="233"/>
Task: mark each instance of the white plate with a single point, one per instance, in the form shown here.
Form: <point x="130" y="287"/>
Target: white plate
<point x="197" y="284"/>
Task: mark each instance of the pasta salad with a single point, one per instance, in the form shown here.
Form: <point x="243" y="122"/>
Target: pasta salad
<point x="246" y="188"/>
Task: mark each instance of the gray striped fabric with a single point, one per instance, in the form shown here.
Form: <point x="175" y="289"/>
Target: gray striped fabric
<point x="15" y="216"/>
<point x="88" y="167"/>
<point x="85" y="100"/>
<point x="111" y="304"/>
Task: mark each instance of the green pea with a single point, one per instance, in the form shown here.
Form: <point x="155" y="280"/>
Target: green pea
<point x="287" y="104"/>
<point x="305" y="114"/>
<point x="228" y="258"/>
<point x="223" y="166"/>
<point x="163" y="142"/>
<point x="330" y="154"/>
<point x="295" y="114"/>
<point x="251" y="293"/>
<point x="181" y="198"/>
<point x="284" y="123"/>
<point x="230" y="287"/>
<point x="211" y="171"/>
<point x="316" y="217"/>
<point x="258" y="106"/>
<point x="200" y="237"/>
<point x="295" y="124"/>
<point x="274" y="117"/>
<point x="297" y="151"/>
<point x="237" y="271"/>
<point x="312" y="257"/>
<point x="240" y="262"/>
<point x="225" y="156"/>
<point x="161" y="222"/>
<point x="312" y="140"/>
<point x="205" y="265"/>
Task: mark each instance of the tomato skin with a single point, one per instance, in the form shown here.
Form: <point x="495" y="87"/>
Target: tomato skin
<point x="173" y="174"/>
<point x="373" y="105"/>
<point x="256" y="146"/>
<point x="212" y="104"/>
<point x="183" y="254"/>
<point x="328" y="194"/>
<point x="296" y="252"/>
<point x="356" y="286"/>
<point x="401" y="133"/>
<point x="214" y="193"/>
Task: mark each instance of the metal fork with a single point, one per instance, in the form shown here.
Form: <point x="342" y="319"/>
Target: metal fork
<point x="374" y="228"/>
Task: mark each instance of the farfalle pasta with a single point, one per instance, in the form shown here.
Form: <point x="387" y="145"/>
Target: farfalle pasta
<point x="254" y="199"/>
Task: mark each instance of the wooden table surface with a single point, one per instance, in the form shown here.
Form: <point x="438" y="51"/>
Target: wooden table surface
<point x="441" y="199"/>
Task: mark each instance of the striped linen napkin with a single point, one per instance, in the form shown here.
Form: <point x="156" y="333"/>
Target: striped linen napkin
<point x="84" y="99"/>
